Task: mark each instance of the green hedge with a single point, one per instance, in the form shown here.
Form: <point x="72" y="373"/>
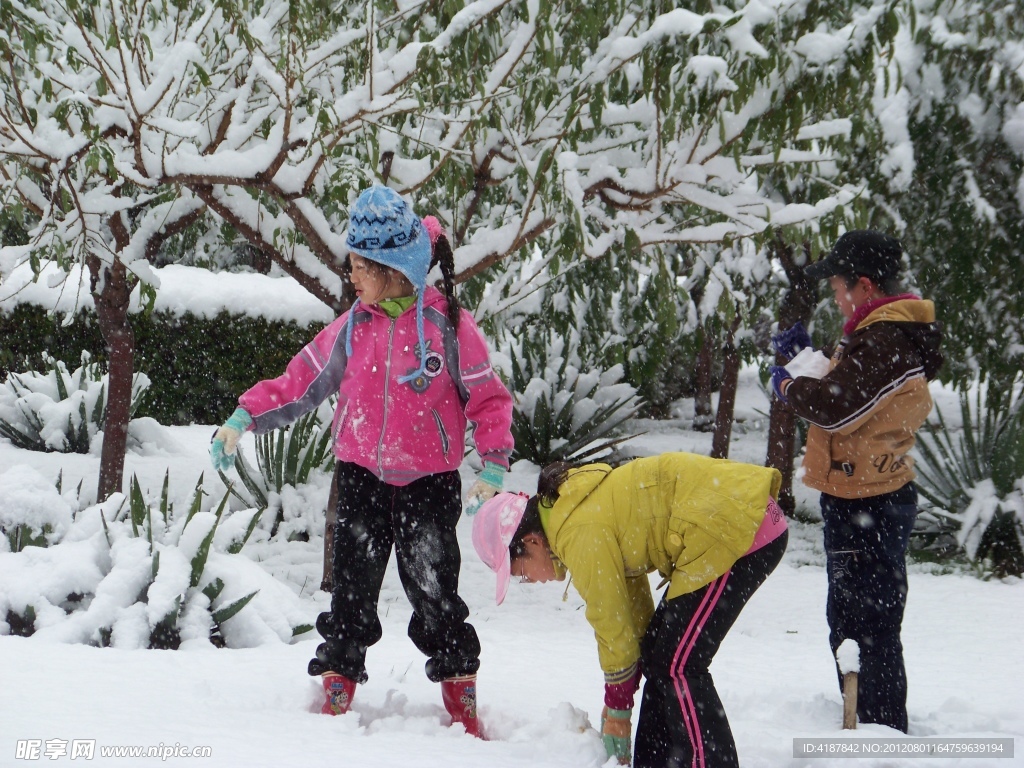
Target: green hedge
<point x="198" y="366"/>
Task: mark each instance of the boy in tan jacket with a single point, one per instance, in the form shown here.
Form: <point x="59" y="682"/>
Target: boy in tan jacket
<point x="863" y="417"/>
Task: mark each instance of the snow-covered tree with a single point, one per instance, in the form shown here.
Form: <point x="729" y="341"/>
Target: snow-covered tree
<point x="574" y="128"/>
<point x="952" y="178"/>
<point x="937" y="139"/>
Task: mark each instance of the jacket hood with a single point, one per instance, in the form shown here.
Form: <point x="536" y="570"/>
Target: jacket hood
<point x="910" y="310"/>
<point x="916" y="319"/>
<point x="579" y="484"/>
<point x="433" y="297"/>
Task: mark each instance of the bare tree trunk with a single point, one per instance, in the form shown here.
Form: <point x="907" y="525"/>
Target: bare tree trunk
<point x="111" y="290"/>
<point x="727" y="396"/>
<point x="797" y="305"/>
<point x="703" y="419"/>
<point x="781" y="438"/>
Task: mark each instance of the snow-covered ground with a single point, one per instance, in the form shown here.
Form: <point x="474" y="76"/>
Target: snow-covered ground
<point x="540" y="687"/>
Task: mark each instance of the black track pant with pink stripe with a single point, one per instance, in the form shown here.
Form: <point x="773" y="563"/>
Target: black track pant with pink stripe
<point x="682" y="722"/>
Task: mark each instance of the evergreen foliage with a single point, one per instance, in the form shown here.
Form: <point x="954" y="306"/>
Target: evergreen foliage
<point x="563" y="413"/>
<point x="948" y="174"/>
<point x="197" y="366"/>
<point x="974" y="477"/>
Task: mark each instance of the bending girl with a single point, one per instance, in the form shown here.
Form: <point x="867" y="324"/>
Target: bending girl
<point x="710" y="527"/>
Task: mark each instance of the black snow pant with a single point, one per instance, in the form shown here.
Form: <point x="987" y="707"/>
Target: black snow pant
<point x="418" y="520"/>
<point x="682" y="721"/>
<point x="865" y="547"/>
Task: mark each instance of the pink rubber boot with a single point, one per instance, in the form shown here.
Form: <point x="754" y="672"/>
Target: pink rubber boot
<point x="339" y="691"/>
<point x="459" y="694"/>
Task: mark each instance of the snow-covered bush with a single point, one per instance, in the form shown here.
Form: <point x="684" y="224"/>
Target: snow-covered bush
<point x="33" y="513"/>
<point x="974" y="478"/>
<point x="992" y="528"/>
<point x="287" y="460"/>
<point x="136" y="574"/>
<point x="561" y="412"/>
<point x="57" y="410"/>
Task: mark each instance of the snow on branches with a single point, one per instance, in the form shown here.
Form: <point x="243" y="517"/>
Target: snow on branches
<point x="125" y="124"/>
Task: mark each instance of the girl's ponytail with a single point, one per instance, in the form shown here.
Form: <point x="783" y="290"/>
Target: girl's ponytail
<point x="550" y="481"/>
<point x="548" y="485"/>
<point x="443" y="255"/>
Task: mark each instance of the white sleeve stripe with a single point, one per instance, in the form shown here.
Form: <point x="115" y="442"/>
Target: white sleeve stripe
<point x="312" y="395"/>
<point x="315" y="364"/>
<point x="913" y="373"/>
<point x="315" y="350"/>
<point x="467" y="377"/>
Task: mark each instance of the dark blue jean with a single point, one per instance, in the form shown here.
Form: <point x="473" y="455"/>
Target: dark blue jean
<point x="865" y="547"/>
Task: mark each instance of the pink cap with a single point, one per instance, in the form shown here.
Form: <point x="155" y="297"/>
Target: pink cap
<point x="493" y="528"/>
<point x="434" y="228"/>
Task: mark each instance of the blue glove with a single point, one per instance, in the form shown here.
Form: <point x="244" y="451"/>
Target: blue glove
<point x="790" y="341"/>
<point x="225" y="440"/>
<point x="779" y="375"/>
<point x="616" y="733"/>
<point x="488" y="484"/>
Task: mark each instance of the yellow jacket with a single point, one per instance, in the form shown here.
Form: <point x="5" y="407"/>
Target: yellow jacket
<point x="684" y="515"/>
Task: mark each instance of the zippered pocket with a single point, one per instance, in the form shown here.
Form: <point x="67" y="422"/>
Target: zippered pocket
<point x="445" y="442"/>
<point x="339" y="422"/>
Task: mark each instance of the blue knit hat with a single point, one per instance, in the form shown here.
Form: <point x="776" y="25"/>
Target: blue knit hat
<point x="384" y="229"/>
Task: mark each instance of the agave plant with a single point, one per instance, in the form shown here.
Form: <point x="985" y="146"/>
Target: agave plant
<point x="165" y="633"/>
<point x="141" y="514"/>
<point x="974" y="477"/>
<point x="285" y="457"/>
<point x="37" y="514"/>
<point x="156" y="577"/>
<point x="562" y="413"/>
<point x="288" y="456"/>
<point x="57" y="410"/>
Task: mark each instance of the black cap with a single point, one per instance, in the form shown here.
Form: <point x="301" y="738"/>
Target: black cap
<point x="860" y="252"/>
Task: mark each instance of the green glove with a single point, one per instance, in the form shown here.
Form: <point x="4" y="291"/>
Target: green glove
<point x="616" y="733"/>
<point x="225" y="440"/>
<point x="488" y="483"/>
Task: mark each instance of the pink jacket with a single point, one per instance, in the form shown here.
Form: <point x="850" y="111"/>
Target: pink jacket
<point x="400" y="432"/>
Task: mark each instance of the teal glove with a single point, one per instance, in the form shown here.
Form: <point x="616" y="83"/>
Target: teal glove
<point x="225" y="440"/>
<point x="488" y="483"/>
<point x="617" y="733"/>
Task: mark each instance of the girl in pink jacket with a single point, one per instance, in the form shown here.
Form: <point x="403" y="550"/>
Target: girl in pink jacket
<point x="409" y="368"/>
